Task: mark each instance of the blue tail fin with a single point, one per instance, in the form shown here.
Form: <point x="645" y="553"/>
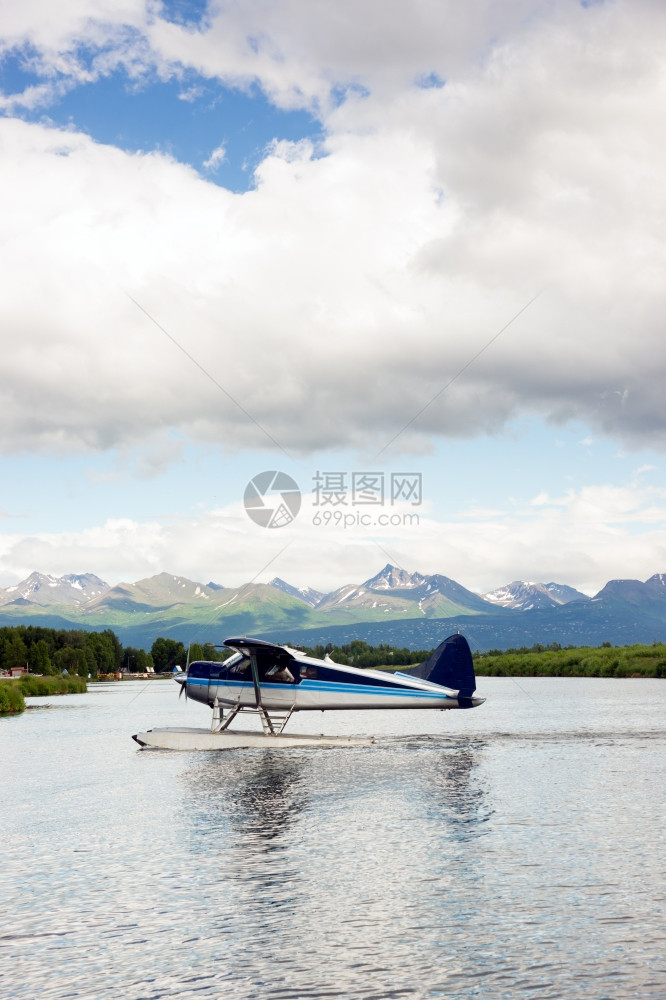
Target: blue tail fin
<point x="450" y="665"/>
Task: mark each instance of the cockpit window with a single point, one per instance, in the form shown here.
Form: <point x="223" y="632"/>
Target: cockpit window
<point x="239" y="669"/>
<point x="281" y="673"/>
<point x="199" y="669"/>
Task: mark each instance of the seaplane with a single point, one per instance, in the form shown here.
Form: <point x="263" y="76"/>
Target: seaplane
<point x="273" y="682"/>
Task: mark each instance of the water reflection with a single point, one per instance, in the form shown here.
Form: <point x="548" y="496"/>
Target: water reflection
<point x="457" y="790"/>
<point x="239" y="813"/>
<point x="251" y="796"/>
<point x="497" y="866"/>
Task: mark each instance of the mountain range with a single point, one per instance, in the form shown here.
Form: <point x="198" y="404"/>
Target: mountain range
<point x="404" y="609"/>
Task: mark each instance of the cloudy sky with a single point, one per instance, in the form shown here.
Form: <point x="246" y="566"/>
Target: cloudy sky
<point x="400" y="238"/>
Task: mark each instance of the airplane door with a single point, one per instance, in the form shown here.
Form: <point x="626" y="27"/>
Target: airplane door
<point x="279" y="685"/>
<point x="231" y="683"/>
<point x="215" y="682"/>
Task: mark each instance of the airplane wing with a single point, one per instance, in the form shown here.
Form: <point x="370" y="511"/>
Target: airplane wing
<point x="265" y="657"/>
<point x="259" y="646"/>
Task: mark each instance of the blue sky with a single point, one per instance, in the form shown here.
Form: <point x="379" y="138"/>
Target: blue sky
<point x="329" y="243"/>
<point x="186" y="118"/>
<point x="108" y="485"/>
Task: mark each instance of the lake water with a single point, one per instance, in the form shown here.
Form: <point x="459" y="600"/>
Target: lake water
<point x="515" y="850"/>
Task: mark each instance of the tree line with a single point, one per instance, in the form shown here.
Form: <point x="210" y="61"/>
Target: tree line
<point x="527" y="661"/>
<point x="51" y="651"/>
<point x="358" y="653"/>
<point x="639" y="660"/>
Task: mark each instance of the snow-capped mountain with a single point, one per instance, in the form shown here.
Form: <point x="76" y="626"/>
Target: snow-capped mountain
<point x="44" y="590"/>
<point x="393" y="578"/>
<point x="161" y="591"/>
<point x="308" y="595"/>
<point x="394" y="591"/>
<point x="393" y="606"/>
<point x="521" y="596"/>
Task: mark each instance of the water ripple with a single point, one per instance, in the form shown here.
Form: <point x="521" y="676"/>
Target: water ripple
<point x="486" y="856"/>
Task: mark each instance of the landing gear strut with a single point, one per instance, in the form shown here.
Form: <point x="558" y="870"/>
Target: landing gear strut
<point x="272" y="725"/>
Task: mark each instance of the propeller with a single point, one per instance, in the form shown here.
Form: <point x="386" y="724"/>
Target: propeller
<point x="180" y="678"/>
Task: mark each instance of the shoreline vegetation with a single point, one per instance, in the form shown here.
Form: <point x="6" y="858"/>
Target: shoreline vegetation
<point x="574" y="661"/>
<point x="14" y="692"/>
<point x="60" y="661"/>
<point x="534" y="661"/>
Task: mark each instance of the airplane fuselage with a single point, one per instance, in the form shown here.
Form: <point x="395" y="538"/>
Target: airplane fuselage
<point x="308" y="684"/>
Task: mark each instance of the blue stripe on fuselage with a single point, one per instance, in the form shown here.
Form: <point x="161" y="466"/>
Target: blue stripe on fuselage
<point x="335" y="687"/>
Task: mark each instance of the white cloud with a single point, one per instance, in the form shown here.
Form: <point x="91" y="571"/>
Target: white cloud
<point x="216" y="158"/>
<point x="154" y="456"/>
<point x="55" y="31"/>
<point x="338" y="297"/>
<point x="35" y="96"/>
<point x="190" y="94"/>
<point x="583" y="539"/>
<point x="307" y="54"/>
<point x="300" y="53"/>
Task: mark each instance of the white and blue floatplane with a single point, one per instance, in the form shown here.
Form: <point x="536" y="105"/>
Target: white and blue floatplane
<point x="274" y="681"/>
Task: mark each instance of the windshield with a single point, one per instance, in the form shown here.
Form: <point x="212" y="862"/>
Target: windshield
<point x="234" y="658"/>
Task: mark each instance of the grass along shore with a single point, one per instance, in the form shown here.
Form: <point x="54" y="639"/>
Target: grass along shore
<point x="534" y="661"/>
<point x="579" y="661"/>
<point x="14" y="692"/>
